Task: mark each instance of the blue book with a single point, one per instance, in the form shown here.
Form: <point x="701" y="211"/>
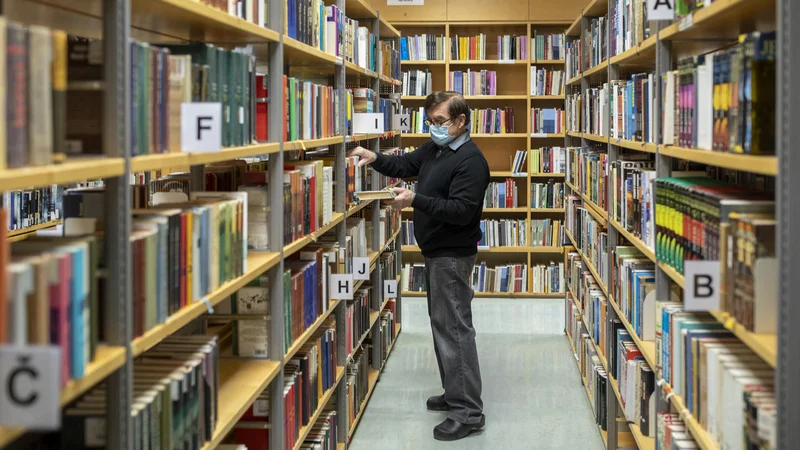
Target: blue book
<point x="404" y="49"/>
<point x="549" y="120"/>
<point x="79" y="311"/>
<point x="689" y="380"/>
<point x="501" y="194"/>
<point x="504" y="279"/>
<point x="483" y="233"/>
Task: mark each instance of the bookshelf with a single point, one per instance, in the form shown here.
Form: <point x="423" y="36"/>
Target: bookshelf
<point x="241" y="381"/>
<point x="510" y="93"/>
<point x="706" y="29"/>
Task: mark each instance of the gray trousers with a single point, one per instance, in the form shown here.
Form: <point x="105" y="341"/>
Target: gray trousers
<point x="450" y="311"/>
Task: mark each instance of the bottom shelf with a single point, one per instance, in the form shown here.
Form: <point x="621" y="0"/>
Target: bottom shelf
<point x="321" y="407"/>
<point x="496" y="294"/>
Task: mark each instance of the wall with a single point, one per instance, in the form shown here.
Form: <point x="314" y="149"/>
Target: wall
<point x="483" y="11"/>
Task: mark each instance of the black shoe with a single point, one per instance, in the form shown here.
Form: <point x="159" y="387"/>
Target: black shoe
<point x="450" y="430"/>
<point x="438" y="403"/>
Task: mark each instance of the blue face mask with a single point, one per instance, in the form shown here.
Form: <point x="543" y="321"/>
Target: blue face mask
<point x="440" y="135"/>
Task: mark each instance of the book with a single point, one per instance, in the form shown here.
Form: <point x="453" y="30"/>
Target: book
<point x="383" y="194"/>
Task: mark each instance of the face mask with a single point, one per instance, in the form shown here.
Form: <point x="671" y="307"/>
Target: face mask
<point x="440" y="135"/>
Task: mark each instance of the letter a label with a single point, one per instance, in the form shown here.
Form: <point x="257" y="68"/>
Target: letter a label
<point x="660" y="9"/>
<point x="341" y="286"/>
<point x="361" y="268"/>
<point x="702" y="285"/>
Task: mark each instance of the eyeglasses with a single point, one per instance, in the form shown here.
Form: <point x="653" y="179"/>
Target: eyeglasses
<point x="429" y="122"/>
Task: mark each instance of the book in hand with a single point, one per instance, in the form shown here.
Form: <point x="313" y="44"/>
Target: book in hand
<point x="375" y="195"/>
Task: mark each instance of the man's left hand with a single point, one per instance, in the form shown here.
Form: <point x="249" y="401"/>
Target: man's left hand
<point x="403" y="198"/>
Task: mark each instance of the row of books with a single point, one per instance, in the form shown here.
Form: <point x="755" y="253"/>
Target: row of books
<point x="357" y="386"/>
<point x="547" y="232"/>
<point x="548" y="160"/>
<point x="518" y="163"/>
<point x="674" y="433"/>
<point x="29" y="207"/>
<point x="547" y="120"/>
<point x="587" y="170"/>
<point x="357" y="312"/>
<point x="504" y="233"/>
<point x="548" y="47"/>
<point x="632" y="108"/>
<point x="635" y="380"/>
<point x="724" y="101"/>
<point x="310" y="110"/>
<point x="591" y="238"/>
<point x="548" y="278"/>
<point x="503" y="278"/>
<point x="407" y="232"/>
<point x="387" y="330"/>
<point x="733" y="380"/>
<point x="632" y="201"/>
<point x="468" y="48"/>
<point x="633" y="278"/>
<point x="594" y="37"/>
<point x="422" y="47"/>
<point x="547" y="195"/>
<point x="512" y="47"/>
<point x="573" y="63"/>
<point x="417" y="82"/>
<point x="501" y="194"/>
<point x="387" y="227"/>
<point x="483" y="82"/>
<point x="547" y="82"/>
<point x="628" y="25"/>
<point x="574" y="110"/>
<point x="492" y="120"/>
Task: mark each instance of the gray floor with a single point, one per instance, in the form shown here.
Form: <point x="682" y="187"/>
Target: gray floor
<point x="532" y="394"/>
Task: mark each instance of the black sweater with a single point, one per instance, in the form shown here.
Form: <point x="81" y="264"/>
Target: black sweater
<point x="449" y="196"/>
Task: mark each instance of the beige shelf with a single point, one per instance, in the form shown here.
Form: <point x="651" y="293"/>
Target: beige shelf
<point x="354" y="209"/>
<point x="642" y="441"/>
<point x="458" y="62"/>
<point x="496" y="97"/>
<point x="672" y="273"/>
<point x="547" y="97"/>
<point x="497" y="294"/>
<point x="257" y="264"/>
<point x="548" y="61"/>
<point x="763" y="345"/>
<point x="303" y="338"/>
<point x="423" y="62"/>
<point x="642" y="54"/>
<point x="596" y="71"/>
<point x="312" y="143"/>
<point x="595" y="138"/>
<point x="507" y="174"/>
<point x="416" y="135"/>
<point x="574" y="80"/>
<point x="295" y="246"/>
<point x="638" y="243"/>
<point x="547" y="135"/>
<point x="499" y="135"/>
<point x="323" y="402"/>
<point x="75" y="169"/>
<point x="633" y="145"/>
<point x="765" y="165"/>
<point x="241" y="381"/>
<point x="547" y="175"/>
<point x="107" y="360"/>
<point x="547" y="210"/>
<point x="413" y="97"/>
<point x="28" y="230"/>
<point x="297" y="53"/>
<point x="521" y="249"/>
<point x="575" y="28"/>
<point x="505" y="210"/>
<point x="648" y="348"/>
<point x="574" y="134"/>
<point x="145" y="163"/>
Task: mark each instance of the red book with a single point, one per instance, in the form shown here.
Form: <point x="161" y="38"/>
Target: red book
<point x="262" y="108"/>
<point x="252" y="435"/>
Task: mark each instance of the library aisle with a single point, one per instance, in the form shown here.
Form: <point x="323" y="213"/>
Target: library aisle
<point x="533" y="397"/>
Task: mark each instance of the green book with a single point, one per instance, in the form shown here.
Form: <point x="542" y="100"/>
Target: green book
<point x="205" y="55"/>
<point x="292" y="112"/>
<point x="235" y="96"/>
<point x="224" y="77"/>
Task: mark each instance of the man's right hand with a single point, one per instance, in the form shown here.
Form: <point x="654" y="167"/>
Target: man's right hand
<point x="366" y="156"/>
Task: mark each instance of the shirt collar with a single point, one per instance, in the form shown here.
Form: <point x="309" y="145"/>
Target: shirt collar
<point x="459" y="141"/>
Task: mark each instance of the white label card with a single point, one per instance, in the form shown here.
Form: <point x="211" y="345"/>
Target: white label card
<point x="660" y="9"/>
<point x="367" y="123"/>
<point x="405" y="2"/>
<point x="390" y="288"/>
<point x="702" y="285"/>
<point x="361" y="268"/>
<point x="341" y="286"/>
<point x="201" y="127"/>
<point x="30" y="387"/>
<point x="402" y="122"/>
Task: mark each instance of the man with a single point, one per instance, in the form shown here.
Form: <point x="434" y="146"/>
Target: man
<point x="452" y="177"/>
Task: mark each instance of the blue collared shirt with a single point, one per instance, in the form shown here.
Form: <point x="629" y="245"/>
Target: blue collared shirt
<point x="459" y="141"/>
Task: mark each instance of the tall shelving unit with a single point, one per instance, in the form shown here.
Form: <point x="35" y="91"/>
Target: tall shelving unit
<point x="241" y="379"/>
<point x="497" y="148"/>
<point x="709" y="28"/>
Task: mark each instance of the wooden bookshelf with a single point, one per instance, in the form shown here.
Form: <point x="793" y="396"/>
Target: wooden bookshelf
<point x="312" y="143"/>
<point x="372" y="377"/>
<point x="520" y="249"/>
<point x="423" y="62"/>
<point x="763" y="345"/>
<point x="303" y="338"/>
<point x="31" y="229"/>
<point x="241" y="381"/>
<point x="497" y="294"/>
<point x="638" y="243"/>
<point x="697" y="431"/>
<point x="634" y="145"/>
<point x="765" y="165"/>
<point x="648" y="348"/>
<point x="296" y="245"/>
<point x="547" y="97"/>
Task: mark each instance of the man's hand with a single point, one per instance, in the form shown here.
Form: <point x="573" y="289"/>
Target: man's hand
<point x="366" y="156"/>
<point x="403" y="198"/>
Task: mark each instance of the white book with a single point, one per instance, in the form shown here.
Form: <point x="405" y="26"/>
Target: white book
<point x="705" y="104"/>
<point x="363" y="40"/>
<point x="668" y="132"/>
